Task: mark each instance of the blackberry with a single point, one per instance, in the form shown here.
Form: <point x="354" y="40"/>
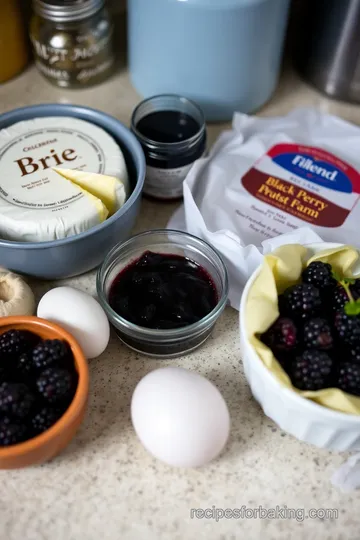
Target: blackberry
<point x="348" y="328"/>
<point x="50" y="352"/>
<point x="25" y="366"/>
<point x="11" y="433"/>
<point x="349" y="378"/>
<point x="355" y="289"/>
<point x="55" y="385"/>
<point x="301" y="302"/>
<point x="354" y="355"/>
<point x="320" y="275"/>
<point x="14" y="342"/>
<point x="317" y="334"/>
<point x="311" y="370"/>
<point x="15" y="399"/>
<point x="44" y="419"/>
<point x="281" y="336"/>
<point x="339" y="298"/>
<point x="3" y="374"/>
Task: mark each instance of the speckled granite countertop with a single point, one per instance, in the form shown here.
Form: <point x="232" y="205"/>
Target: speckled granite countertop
<point x="104" y="485"/>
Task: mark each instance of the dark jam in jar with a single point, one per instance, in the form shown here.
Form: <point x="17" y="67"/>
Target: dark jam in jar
<point x="172" y="133"/>
<point x="168" y="126"/>
<point x="163" y="292"/>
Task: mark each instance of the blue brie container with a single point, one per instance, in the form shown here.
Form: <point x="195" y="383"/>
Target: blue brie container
<point x="80" y="253"/>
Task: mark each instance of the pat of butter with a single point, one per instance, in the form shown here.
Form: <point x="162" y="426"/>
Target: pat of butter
<point x="101" y="208"/>
<point x="110" y="190"/>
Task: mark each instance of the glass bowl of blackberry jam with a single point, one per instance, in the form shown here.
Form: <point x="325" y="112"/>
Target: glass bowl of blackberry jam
<point x="163" y="291"/>
<point x="171" y="130"/>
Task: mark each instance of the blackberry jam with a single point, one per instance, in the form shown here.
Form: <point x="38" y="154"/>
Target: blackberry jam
<point x="171" y="130"/>
<point x="163" y="292"/>
<point x="168" y="126"/>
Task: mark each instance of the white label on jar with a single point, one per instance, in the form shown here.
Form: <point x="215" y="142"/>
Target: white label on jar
<point x="165" y="183"/>
<point x="53" y="56"/>
<point x="87" y="74"/>
<point x="57" y="74"/>
<point x="60" y="62"/>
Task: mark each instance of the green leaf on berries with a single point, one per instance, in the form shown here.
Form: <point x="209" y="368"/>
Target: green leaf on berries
<point x="352" y="308"/>
<point x="337" y="276"/>
<point x="348" y="281"/>
<point x="341" y="279"/>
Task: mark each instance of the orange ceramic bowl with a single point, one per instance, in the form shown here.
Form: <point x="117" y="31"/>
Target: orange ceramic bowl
<point x="50" y="443"/>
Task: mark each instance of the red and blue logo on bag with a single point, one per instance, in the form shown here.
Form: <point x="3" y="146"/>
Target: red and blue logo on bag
<point x="306" y="182"/>
<point x="317" y="166"/>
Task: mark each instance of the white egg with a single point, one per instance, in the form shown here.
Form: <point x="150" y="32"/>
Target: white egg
<point x="180" y="417"/>
<point x="80" y="314"/>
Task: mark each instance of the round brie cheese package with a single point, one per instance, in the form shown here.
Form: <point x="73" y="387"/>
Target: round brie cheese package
<point x="37" y="204"/>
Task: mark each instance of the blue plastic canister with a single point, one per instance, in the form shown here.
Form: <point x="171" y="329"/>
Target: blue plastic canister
<point x="223" y="54"/>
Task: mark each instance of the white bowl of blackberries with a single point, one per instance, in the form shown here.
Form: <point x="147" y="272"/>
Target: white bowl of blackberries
<point x="316" y="343"/>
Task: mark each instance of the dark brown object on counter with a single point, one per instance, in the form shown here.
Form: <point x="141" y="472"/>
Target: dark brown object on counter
<point x="13" y="43"/>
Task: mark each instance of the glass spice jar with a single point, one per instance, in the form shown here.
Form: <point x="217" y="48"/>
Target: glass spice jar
<point x="72" y="41"/>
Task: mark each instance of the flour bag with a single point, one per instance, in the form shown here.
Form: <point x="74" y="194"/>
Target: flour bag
<point x="271" y="181"/>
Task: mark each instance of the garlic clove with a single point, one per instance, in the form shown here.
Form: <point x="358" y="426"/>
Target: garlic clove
<point x="16" y="297"/>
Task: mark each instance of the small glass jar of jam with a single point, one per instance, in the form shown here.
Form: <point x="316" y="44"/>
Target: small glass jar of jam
<point x="172" y="132"/>
<point x="163" y="291"/>
<point x="72" y="41"/>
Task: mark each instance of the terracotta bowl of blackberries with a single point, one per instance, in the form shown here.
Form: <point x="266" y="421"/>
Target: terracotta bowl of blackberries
<point x="312" y="390"/>
<point x="44" y="385"/>
<point x="163" y="291"/>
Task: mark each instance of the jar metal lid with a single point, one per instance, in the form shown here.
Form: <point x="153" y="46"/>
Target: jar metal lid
<point x="67" y="10"/>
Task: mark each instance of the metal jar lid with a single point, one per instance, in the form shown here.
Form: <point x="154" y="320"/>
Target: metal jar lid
<point x="67" y="10"/>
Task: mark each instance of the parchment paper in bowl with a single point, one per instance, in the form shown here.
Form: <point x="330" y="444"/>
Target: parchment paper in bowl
<point x="280" y="270"/>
